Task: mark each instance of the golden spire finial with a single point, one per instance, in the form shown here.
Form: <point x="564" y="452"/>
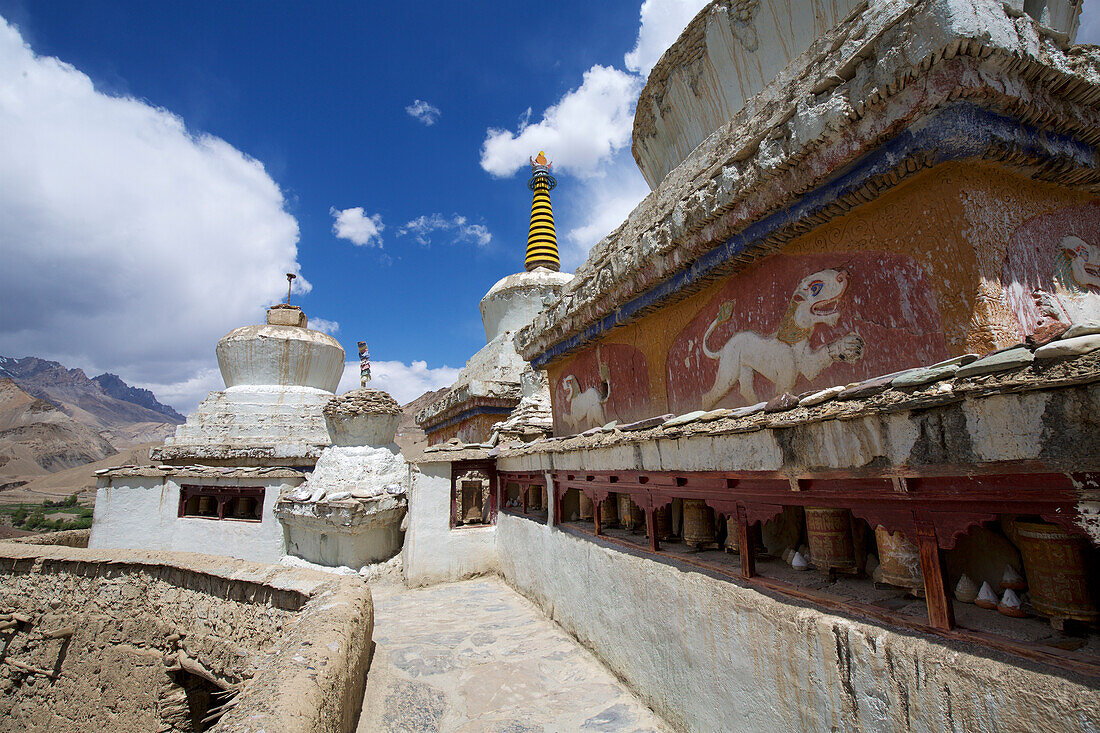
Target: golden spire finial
<point x="542" y="241"/>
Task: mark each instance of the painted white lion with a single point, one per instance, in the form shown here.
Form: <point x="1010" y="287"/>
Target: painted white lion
<point x="785" y="354"/>
<point x="586" y="409"/>
<point x="1076" y="292"/>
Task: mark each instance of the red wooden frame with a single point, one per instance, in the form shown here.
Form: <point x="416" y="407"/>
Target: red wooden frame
<point x="459" y="468"/>
<point x="223" y="495"/>
<point x="933" y="511"/>
<point x="525" y="481"/>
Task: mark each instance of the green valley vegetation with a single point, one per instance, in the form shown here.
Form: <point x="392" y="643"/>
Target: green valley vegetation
<point x="49" y="516"/>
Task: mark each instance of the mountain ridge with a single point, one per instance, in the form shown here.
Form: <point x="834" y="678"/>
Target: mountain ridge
<point x="103" y="403"/>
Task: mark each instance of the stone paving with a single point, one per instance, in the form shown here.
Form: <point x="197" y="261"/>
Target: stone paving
<point x="477" y="656"/>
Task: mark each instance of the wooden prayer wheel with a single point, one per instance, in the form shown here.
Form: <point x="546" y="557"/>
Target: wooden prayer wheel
<point x="206" y="505"/>
<point x="662" y="516"/>
<point x="471" y="497"/>
<point x="733" y="535"/>
<point x="699" y="530"/>
<point x="626" y="519"/>
<point x="1056" y="567"/>
<point x="829" y="534"/>
<point x="631" y="515"/>
<point x="585" y="505"/>
<point x="534" y="498"/>
<point x="609" y="515"/>
<point x="900" y="561"/>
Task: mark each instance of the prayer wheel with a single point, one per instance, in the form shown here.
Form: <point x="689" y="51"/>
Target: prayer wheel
<point x="1056" y="567"/>
<point x="900" y="561"/>
<point x="534" y="498"/>
<point x="699" y="530"/>
<point x="471" y="497"/>
<point x="609" y="515"/>
<point x="662" y="517"/>
<point x="631" y="515"/>
<point x="733" y="534"/>
<point x="829" y="533"/>
<point x="626" y="518"/>
<point x="206" y="505"/>
<point x="585" y="508"/>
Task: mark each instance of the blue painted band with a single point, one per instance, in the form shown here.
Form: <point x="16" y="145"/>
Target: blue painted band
<point x="467" y="415"/>
<point x="956" y="132"/>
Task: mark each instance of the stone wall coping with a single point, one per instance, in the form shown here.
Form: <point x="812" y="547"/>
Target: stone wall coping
<point x="164" y="471"/>
<point x="824" y="407"/>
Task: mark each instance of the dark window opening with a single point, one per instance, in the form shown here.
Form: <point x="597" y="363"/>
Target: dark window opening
<point x="237" y="503"/>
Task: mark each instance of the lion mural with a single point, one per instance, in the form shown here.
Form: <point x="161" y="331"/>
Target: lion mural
<point x="784" y="355"/>
<point x="1051" y="271"/>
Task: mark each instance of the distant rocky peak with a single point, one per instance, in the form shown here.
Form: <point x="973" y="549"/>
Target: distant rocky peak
<point x="113" y="385"/>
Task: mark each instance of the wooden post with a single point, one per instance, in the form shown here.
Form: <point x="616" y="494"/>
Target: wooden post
<point x="746" y="540"/>
<point x="941" y="614"/>
<point x="524" y="489"/>
<point x="651" y="527"/>
<point x="555" y="495"/>
<point x="494" y="498"/>
<point x="596" y="514"/>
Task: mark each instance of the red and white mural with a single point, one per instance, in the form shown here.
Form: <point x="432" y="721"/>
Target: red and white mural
<point x="795" y="322"/>
<point x="1052" y="268"/>
<point x="603" y="383"/>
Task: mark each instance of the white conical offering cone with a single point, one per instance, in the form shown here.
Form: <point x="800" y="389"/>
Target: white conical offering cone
<point x="966" y="591"/>
<point x="986" y="597"/>
<point x="1010" y="604"/>
<point x="799" y="563"/>
<point x="1012" y="579"/>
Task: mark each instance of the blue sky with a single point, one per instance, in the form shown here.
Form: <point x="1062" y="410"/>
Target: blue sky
<point x="166" y="162"/>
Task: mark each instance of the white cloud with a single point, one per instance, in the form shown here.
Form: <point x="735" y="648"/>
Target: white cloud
<point x="595" y="207"/>
<point x="425" y="112"/>
<point x="324" y="325"/>
<point x="587" y="134"/>
<point x="129" y="243"/>
<point x="422" y="228"/>
<point x="355" y="226"/>
<point x="581" y="131"/>
<point x="405" y="382"/>
<point x="662" y="22"/>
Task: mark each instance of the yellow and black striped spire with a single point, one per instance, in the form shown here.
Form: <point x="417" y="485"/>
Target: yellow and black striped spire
<point x="542" y="242"/>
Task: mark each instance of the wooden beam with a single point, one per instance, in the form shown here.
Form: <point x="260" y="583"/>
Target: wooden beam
<point x="941" y="614"/>
<point x="651" y="527"/>
<point x="746" y="540"/>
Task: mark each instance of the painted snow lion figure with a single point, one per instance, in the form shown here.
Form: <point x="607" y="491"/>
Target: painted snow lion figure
<point x="1076" y="279"/>
<point x="586" y="409"/>
<point x="785" y="354"/>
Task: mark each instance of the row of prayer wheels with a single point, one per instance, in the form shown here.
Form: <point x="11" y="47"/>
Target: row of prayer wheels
<point x="1055" y="561"/>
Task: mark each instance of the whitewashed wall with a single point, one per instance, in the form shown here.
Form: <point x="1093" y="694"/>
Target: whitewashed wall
<point x="710" y="655"/>
<point x="433" y="552"/>
<point x="142" y="514"/>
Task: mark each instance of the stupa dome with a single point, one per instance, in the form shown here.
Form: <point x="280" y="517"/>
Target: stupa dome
<point x="283" y="352"/>
<point x="516" y="299"/>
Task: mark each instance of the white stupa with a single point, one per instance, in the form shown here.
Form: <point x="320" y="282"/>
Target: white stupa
<point x="278" y="377"/>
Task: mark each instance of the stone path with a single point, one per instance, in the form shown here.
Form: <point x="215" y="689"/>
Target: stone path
<point x="477" y="656"/>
